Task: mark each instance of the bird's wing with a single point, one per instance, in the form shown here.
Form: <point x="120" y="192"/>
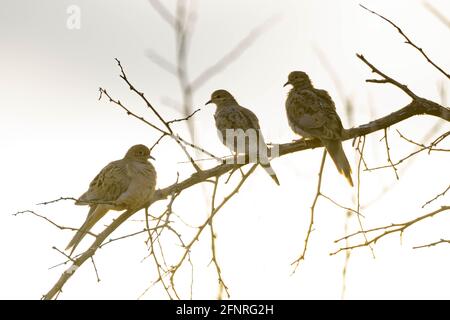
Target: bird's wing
<point x="249" y="118"/>
<point x="236" y="117"/>
<point x="253" y="122"/>
<point x="325" y="98"/>
<point x="316" y="114"/>
<point x="141" y="186"/>
<point x="109" y="184"/>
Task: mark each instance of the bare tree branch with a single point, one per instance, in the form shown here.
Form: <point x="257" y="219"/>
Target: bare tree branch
<point x="185" y="118"/>
<point x="57" y="200"/>
<point x="312" y="212"/>
<point x="358" y="187"/>
<point x="50" y="221"/>
<point x="408" y="41"/>
<point x="432" y="244"/>
<point x="213" y="243"/>
<point x="389" y="153"/>
<point x="387" y="79"/>
<point x="386" y="230"/>
<point x="430" y="148"/>
<point x="188" y="247"/>
<point x="439" y="195"/>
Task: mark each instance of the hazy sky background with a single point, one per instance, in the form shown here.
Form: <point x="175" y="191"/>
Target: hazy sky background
<point x="55" y="136"/>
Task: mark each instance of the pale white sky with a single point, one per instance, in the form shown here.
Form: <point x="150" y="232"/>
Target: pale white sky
<point x="55" y="136"/>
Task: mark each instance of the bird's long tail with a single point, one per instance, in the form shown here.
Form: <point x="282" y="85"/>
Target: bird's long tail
<point x="336" y="152"/>
<point x="268" y="168"/>
<point x="264" y="162"/>
<point x="95" y="214"/>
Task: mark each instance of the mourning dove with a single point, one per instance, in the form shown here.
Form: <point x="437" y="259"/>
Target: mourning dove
<point x="244" y="126"/>
<point x="312" y="114"/>
<point x="124" y="184"/>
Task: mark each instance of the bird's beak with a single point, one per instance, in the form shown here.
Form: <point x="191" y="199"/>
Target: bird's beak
<point x="209" y="101"/>
<point x="286" y="84"/>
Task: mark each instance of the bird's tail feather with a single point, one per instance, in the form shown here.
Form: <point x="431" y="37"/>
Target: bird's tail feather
<point x="95" y="214"/>
<point x="263" y="160"/>
<point x="336" y="152"/>
<point x="268" y="168"/>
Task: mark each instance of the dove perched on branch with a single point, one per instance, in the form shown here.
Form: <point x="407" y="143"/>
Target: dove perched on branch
<point x="239" y="130"/>
<point x="311" y="113"/>
<point x="124" y="184"/>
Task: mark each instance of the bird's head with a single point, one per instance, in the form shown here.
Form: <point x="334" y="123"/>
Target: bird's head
<point x="221" y="98"/>
<point x="139" y="152"/>
<point x="298" y="79"/>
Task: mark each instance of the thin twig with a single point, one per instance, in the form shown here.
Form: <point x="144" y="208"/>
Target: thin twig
<point x="408" y="41"/>
<point x="386" y="230"/>
<point x="387" y="79"/>
<point x="312" y="212"/>
<point x="95" y="269"/>
<point x="430" y="148"/>
<point x="389" y="154"/>
<point x="432" y="244"/>
<point x="433" y="144"/>
<point x="213" y="243"/>
<point x="437" y="196"/>
<point x="130" y="113"/>
<point x="51" y="222"/>
<point x="188" y="247"/>
<point x="358" y="192"/>
<point x="185" y="118"/>
<point x="341" y="206"/>
<point x="56" y="200"/>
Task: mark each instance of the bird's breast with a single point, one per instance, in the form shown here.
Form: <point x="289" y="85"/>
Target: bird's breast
<point x="139" y="169"/>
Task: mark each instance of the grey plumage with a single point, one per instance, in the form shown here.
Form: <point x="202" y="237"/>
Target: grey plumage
<point x="124" y="184"/>
<point x="312" y="114"/>
<point x="242" y="123"/>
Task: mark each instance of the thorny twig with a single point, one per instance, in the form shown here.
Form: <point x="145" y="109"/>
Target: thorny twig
<point x="312" y="212"/>
<point x="432" y="244"/>
<point x="385" y="230"/>
<point x="437" y="196"/>
<point x="409" y="42"/>
<point x="213" y="243"/>
<point x="188" y="247"/>
<point x="389" y="153"/>
<point x="50" y="221"/>
<point x="358" y="188"/>
<point x="95" y="269"/>
<point x="423" y="147"/>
